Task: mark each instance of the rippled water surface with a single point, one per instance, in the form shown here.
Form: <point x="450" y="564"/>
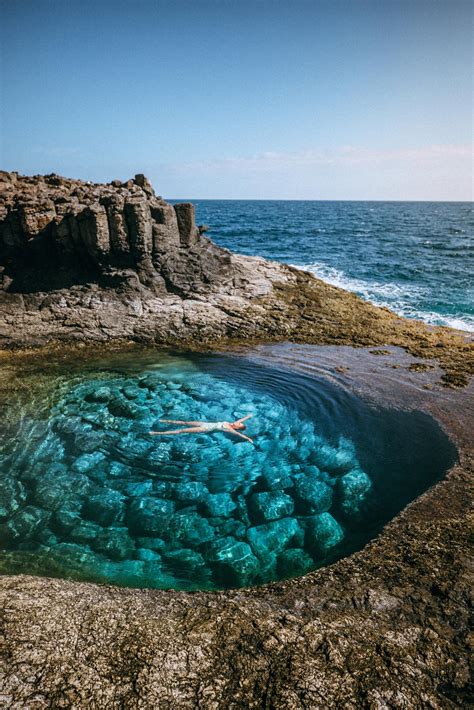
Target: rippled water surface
<point x="417" y="258"/>
<point x="87" y="493"/>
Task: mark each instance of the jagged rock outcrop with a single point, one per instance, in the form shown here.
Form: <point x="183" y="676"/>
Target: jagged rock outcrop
<point x="57" y="233"/>
<point x="100" y="261"/>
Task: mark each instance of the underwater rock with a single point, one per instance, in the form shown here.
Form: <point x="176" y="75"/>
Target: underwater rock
<point x="272" y="537"/>
<point x="230" y="526"/>
<point x="119" y="407"/>
<point x="87" y="462"/>
<point x="150" y="516"/>
<point x="50" y="495"/>
<point x="190" y="492"/>
<point x="64" y="521"/>
<point x="184" y="560"/>
<point x="73" y="555"/>
<point x="115" y="542"/>
<point x="138" y="490"/>
<point x="84" y="532"/>
<point x="354" y="488"/>
<point x="147" y="555"/>
<point x="101" y="394"/>
<point x="219" y="504"/>
<point x="25" y="524"/>
<point x="150" y="543"/>
<point x="270" y="505"/>
<point x="276" y="480"/>
<point x="322" y="533"/>
<point x="117" y="469"/>
<point x="106" y="507"/>
<point x="233" y="562"/>
<point x="313" y="495"/>
<point x="294" y="562"/>
<point x="335" y="460"/>
<point x="12" y="495"/>
<point x="88" y="443"/>
<point x="190" y="528"/>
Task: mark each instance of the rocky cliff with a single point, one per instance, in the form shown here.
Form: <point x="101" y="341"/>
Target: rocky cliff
<point x="101" y="262"/>
<point x="57" y="233"/>
<point x="82" y="260"/>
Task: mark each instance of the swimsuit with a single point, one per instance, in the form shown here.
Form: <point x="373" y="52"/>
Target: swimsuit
<point x="215" y="426"/>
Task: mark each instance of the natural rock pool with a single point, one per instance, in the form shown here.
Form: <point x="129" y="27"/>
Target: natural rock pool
<point x="86" y="492"/>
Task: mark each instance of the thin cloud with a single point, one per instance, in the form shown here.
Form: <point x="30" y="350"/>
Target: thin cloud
<point x="343" y="155"/>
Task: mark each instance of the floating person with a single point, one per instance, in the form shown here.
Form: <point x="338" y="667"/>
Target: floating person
<point x="205" y="427"/>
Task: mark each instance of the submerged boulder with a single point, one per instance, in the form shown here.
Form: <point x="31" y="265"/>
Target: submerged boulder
<point x="184" y="560"/>
<point x="354" y="489"/>
<point x="294" y="562"/>
<point x="219" y="505"/>
<point x="233" y="562"/>
<point x="106" y="507"/>
<point x="115" y="542"/>
<point x="101" y="394"/>
<point x="88" y="462"/>
<point x="190" y="528"/>
<point x="25" y="524"/>
<point x="150" y="516"/>
<point x="265" y="540"/>
<point x="270" y="505"/>
<point x="313" y="495"/>
<point x="84" y="532"/>
<point x="190" y="492"/>
<point x="322" y="533"/>
<point x="12" y="495"/>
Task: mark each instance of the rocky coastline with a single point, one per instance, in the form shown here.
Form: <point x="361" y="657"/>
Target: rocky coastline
<point x="108" y="262"/>
<point x="85" y="267"/>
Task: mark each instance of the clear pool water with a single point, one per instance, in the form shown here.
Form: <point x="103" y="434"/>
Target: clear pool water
<point x="86" y="493"/>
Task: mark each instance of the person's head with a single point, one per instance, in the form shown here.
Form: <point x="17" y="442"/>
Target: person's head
<point x="238" y="425"/>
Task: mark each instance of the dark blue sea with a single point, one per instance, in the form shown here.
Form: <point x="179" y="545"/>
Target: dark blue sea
<point x="414" y="257"/>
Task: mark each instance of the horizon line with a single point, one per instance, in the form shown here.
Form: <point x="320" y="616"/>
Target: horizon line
<point x="308" y="199"/>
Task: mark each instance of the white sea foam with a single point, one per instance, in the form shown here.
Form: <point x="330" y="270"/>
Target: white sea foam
<point x="399" y="298"/>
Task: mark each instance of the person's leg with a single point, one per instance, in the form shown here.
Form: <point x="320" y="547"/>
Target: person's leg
<point x="189" y="430"/>
<point x="179" y="421"/>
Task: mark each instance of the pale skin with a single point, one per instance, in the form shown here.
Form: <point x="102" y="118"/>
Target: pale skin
<point x="197" y="428"/>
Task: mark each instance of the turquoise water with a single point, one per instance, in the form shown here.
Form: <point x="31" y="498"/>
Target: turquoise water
<point x="416" y="258"/>
<point x="87" y="493"/>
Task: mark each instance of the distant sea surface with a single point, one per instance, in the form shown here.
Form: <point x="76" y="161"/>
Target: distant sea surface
<point x="413" y="257"/>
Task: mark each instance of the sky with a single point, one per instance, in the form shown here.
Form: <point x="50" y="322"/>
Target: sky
<point x="239" y="99"/>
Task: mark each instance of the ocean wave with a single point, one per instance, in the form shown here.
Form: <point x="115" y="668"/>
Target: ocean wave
<point x="402" y="299"/>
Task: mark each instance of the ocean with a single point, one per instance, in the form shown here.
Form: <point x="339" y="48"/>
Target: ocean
<point x="413" y="257"/>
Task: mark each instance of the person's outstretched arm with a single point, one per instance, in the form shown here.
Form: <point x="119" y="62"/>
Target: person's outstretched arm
<point x="244" y="419"/>
<point x="242" y="436"/>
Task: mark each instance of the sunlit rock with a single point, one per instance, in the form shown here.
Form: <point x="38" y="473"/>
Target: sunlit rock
<point x="322" y="533"/>
<point x="272" y="537"/>
<point x="313" y="495"/>
<point x="270" y="505"/>
<point x="354" y="489"/>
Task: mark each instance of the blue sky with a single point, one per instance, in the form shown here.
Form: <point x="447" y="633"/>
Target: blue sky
<point x="331" y="99"/>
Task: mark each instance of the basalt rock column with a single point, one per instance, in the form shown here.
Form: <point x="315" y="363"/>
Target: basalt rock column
<point x="56" y="233"/>
<point x="188" y="233"/>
